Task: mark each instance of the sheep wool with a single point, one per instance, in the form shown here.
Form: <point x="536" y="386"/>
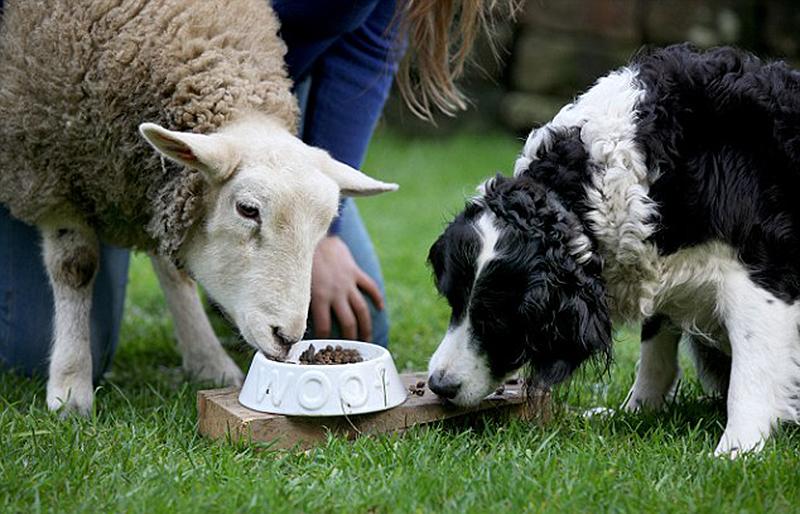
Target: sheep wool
<point x="77" y="77"/>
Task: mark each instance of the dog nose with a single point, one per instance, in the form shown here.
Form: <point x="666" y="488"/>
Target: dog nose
<point x="443" y="386"/>
<point x="283" y="338"/>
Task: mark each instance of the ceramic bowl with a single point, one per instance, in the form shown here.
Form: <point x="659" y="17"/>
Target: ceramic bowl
<point x="296" y="389"/>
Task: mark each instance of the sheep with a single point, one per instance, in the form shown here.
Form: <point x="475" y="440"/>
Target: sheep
<point x="230" y="197"/>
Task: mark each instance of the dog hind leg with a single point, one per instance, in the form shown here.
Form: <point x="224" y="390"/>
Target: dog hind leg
<point x="658" y="365"/>
<point x="713" y="367"/>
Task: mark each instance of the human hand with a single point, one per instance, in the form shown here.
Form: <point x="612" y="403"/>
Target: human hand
<point x="336" y="286"/>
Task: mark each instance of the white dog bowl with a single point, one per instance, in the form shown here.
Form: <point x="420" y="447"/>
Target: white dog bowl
<point x="323" y="390"/>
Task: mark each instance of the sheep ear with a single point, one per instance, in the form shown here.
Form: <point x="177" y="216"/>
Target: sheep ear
<point x="211" y="155"/>
<point x="351" y="181"/>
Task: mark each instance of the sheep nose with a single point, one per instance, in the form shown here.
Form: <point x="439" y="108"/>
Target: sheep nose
<point x="283" y="338"/>
<point x="443" y="386"/>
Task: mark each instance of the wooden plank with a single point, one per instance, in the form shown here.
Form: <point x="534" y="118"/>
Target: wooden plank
<point x="221" y="416"/>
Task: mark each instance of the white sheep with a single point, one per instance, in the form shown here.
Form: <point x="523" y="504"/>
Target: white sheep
<point x="240" y="203"/>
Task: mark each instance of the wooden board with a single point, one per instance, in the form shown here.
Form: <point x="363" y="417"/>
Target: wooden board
<point x="223" y="417"/>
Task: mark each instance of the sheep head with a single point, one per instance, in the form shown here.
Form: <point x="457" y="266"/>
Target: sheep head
<point x="270" y="200"/>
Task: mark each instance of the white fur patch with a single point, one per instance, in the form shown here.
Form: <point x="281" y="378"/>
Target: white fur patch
<point x="489" y="236"/>
<point x="765" y="366"/>
<point x="580" y="247"/>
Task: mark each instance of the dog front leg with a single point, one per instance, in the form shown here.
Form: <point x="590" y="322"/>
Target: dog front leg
<point x="71" y="256"/>
<point x="658" y="365"/>
<point x="203" y="355"/>
<point x="765" y="363"/>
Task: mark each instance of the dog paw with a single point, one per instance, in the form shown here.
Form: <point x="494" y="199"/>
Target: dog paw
<point x="70" y="395"/>
<point x="734" y="446"/>
<point x="222" y="371"/>
<point x="638" y="401"/>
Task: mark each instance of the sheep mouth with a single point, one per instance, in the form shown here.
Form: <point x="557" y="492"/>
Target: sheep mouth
<point x="271" y="349"/>
<point x="282" y="338"/>
<point x="279" y="355"/>
<point x="273" y="357"/>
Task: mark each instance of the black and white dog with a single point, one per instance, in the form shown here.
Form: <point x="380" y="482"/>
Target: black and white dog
<point x="669" y="192"/>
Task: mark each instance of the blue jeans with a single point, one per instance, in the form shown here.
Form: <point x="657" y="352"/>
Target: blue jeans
<point x="347" y="63"/>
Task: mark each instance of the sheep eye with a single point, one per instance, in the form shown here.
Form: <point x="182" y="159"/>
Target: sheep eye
<point x="248" y="211"/>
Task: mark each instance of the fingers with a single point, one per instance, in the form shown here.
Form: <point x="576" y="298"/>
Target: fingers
<point x="347" y="320"/>
<point x="366" y="284"/>
<point x="321" y="315"/>
<point x="363" y="316"/>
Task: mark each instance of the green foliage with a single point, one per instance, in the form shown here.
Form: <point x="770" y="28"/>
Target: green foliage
<point x="140" y="451"/>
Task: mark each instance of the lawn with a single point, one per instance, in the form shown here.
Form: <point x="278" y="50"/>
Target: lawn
<point x="140" y="452"/>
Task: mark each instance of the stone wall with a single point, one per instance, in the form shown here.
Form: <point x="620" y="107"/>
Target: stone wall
<point x="560" y="47"/>
<point x="557" y="48"/>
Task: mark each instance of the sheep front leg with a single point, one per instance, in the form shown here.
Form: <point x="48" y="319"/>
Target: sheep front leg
<point x="203" y="355"/>
<point x="71" y="256"/>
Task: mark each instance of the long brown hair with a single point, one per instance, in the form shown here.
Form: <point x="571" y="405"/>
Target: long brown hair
<point x="441" y="34"/>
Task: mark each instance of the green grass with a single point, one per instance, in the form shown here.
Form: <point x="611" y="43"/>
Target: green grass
<point x="140" y="452"/>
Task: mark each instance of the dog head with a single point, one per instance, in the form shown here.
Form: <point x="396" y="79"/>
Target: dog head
<point x="524" y="287"/>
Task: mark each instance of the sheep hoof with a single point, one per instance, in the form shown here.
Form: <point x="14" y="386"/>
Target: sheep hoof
<point x="222" y="371"/>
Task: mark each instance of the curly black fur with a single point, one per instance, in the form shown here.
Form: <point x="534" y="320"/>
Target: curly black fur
<point x="721" y="132"/>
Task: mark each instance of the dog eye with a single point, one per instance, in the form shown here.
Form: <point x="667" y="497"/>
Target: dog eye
<point x="249" y="212"/>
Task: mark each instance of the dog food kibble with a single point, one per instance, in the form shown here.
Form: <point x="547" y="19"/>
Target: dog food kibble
<point x="330" y="355"/>
<point x="417" y="389"/>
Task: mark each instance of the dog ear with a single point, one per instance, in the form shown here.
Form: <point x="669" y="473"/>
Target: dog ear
<point x="566" y="308"/>
<point x="436" y="259"/>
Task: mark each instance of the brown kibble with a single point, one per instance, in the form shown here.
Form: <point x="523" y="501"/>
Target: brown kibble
<point x="330" y="355"/>
<point x="417" y="389"/>
<point x="308" y="355"/>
